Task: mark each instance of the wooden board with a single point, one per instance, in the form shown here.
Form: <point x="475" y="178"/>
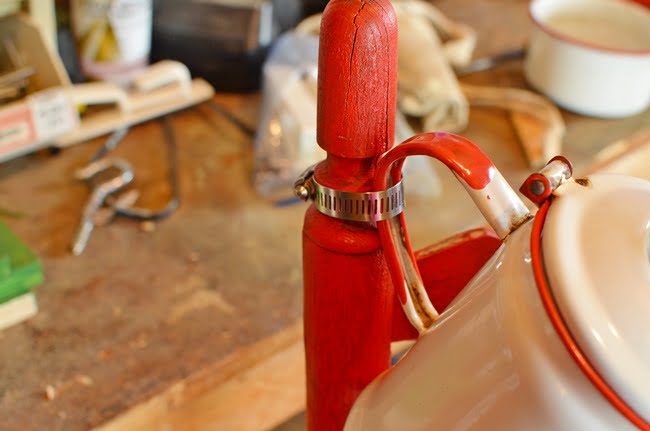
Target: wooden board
<point x="256" y="398"/>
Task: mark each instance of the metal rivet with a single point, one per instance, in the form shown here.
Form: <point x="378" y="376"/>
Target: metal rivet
<point x="301" y="192"/>
<point x="537" y="188"/>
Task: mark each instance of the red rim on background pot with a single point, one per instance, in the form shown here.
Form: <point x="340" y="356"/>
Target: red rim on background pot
<point x="591" y="57"/>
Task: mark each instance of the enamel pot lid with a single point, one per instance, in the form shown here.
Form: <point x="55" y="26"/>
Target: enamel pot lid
<point x="596" y="253"/>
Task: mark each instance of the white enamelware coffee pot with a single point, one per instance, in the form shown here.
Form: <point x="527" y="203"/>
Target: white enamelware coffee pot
<point x="553" y="333"/>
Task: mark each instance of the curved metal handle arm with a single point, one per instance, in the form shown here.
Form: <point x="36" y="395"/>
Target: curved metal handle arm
<point x="500" y="205"/>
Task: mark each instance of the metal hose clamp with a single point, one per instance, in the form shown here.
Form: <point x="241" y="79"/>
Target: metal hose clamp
<point x="351" y="206"/>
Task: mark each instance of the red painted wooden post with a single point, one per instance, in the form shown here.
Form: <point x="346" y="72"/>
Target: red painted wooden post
<point x="348" y="294"/>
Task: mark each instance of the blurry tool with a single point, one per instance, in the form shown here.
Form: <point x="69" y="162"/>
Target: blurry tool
<point x="124" y="205"/>
<point x="108" y="176"/>
<point x="105" y="215"/>
<point x="234" y="35"/>
<point x="121" y="177"/>
<point x="487" y="63"/>
<point x="160" y="89"/>
<point x="111" y="143"/>
<point x="20" y="272"/>
<point x="13" y="84"/>
<point x="113" y="37"/>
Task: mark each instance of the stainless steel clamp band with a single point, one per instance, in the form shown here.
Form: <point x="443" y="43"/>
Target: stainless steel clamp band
<point x="351" y="206"/>
<point x="369" y="206"/>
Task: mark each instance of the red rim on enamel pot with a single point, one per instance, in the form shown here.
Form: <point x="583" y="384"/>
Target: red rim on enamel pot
<point x="591" y="57"/>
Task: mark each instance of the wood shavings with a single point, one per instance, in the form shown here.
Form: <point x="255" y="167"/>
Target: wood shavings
<point x="200" y="300"/>
<point x="85" y="380"/>
<point x="193" y="257"/>
<point x="140" y="342"/>
<point x="50" y="392"/>
<point x="148" y="226"/>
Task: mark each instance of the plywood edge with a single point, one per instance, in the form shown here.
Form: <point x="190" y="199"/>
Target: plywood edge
<point x="253" y="389"/>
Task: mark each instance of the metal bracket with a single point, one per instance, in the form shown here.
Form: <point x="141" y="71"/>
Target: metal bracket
<point x="303" y="188"/>
<point x="540" y="186"/>
<point x="351" y="206"/>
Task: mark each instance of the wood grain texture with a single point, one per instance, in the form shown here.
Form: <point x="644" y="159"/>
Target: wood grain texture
<point x="357" y="83"/>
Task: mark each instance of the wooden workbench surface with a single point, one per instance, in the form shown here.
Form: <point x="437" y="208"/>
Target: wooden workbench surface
<point x="139" y="331"/>
<point x="142" y="311"/>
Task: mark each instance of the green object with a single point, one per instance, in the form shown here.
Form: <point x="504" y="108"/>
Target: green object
<point x="20" y="269"/>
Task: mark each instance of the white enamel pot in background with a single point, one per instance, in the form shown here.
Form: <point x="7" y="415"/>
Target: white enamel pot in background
<point x="591" y="57"/>
<point x="552" y="333"/>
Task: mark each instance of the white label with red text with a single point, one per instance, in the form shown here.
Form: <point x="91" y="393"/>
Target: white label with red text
<point x="53" y="114"/>
<point x="16" y="129"/>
